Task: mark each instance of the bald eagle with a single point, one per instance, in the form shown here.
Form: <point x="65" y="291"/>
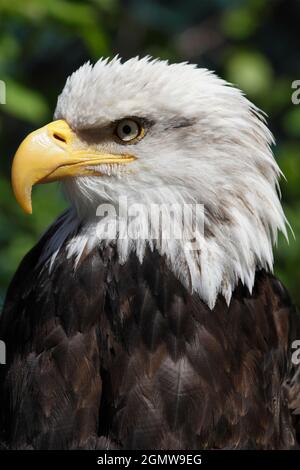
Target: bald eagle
<point x="131" y="339"/>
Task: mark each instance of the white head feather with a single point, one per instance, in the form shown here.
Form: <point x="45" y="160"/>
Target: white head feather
<point x="206" y="144"/>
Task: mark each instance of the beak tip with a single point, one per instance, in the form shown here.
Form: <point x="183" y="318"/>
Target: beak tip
<point x="26" y="206"/>
<point x="23" y="201"/>
<point x="28" y="211"/>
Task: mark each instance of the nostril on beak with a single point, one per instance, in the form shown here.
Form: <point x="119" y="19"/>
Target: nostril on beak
<point x="59" y="137"/>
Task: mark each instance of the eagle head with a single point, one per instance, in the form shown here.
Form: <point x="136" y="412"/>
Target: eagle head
<point x="158" y="134"/>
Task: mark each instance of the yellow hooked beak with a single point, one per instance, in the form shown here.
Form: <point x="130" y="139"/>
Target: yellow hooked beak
<point x="53" y="153"/>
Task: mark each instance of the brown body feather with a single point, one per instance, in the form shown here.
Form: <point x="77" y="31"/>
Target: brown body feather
<point x="112" y="356"/>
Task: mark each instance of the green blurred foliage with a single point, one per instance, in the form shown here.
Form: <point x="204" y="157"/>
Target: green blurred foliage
<point x="252" y="43"/>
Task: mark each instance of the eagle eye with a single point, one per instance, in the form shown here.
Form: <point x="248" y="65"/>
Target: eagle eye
<point x="128" y="130"/>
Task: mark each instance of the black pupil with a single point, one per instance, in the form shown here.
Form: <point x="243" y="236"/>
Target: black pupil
<point x="127" y="129"/>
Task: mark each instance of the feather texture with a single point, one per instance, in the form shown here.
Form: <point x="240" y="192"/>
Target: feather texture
<point x="123" y="356"/>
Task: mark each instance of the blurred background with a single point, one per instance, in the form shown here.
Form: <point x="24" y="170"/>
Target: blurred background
<point x="254" y="44"/>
